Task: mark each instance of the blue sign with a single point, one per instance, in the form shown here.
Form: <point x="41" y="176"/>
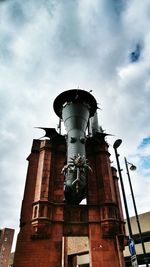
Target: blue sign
<point x="131" y="247"/>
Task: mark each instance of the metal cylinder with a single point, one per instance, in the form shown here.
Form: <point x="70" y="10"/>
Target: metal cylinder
<point x="75" y="107"/>
<point x="75" y="117"/>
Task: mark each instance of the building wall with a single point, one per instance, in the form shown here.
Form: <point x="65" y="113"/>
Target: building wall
<point x="39" y="240"/>
<point x="80" y="246"/>
<point x="46" y="219"/>
<point x="144" y="220"/>
<point x="6" y="239"/>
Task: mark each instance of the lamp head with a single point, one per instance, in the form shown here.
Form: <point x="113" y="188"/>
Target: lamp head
<point x="132" y="167"/>
<point x="117" y="143"/>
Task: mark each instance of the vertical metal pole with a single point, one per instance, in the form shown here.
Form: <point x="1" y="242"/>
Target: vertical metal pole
<point x="136" y="214"/>
<point x="123" y="193"/>
<point x="59" y="126"/>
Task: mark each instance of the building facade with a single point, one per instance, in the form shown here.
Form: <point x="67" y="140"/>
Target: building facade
<point x="144" y="220"/>
<point x="6" y="239"/>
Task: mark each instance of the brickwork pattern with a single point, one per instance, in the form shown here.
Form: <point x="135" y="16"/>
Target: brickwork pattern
<point x="6" y="239"/>
<point x="46" y="219"/>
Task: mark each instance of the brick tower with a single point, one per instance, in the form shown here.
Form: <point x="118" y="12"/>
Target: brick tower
<point x="62" y="171"/>
<point x="6" y="239"/>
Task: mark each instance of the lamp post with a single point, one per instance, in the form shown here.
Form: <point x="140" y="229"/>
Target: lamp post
<point x="133" y="167"/>
<point x="130" y="240"/>
<point x="115" y="146"/>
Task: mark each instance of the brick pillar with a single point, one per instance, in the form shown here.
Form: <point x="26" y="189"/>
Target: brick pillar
<point x="121" y="231"/>
<point x="6" y="239"/>
<point x="104" y="215"/>
<point x="40" y="239"/>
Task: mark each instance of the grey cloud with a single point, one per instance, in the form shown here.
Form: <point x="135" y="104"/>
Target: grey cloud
<point x="51" y="46"/>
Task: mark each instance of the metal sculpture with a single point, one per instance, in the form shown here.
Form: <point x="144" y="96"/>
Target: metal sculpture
<point x="75" y="107"/>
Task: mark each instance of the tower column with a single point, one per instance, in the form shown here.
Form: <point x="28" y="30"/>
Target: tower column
<point x="105" y="215"/>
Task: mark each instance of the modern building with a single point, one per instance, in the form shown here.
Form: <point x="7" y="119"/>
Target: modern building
<point x="144" y="220"/>
<point x="6" y="239"/>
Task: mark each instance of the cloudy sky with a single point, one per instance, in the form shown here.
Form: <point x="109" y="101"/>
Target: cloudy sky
<point x="48" y="46"/>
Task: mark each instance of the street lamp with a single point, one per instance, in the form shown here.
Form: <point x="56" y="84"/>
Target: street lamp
<point x="133" y="168"/>
<point x="117" y="143"/>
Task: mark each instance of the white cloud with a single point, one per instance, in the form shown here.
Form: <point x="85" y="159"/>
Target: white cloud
<point x="48" y="47"/>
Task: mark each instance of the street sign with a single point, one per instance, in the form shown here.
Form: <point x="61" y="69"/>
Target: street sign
<point x="132" y="252"/>
<point x="131" y="247"/>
